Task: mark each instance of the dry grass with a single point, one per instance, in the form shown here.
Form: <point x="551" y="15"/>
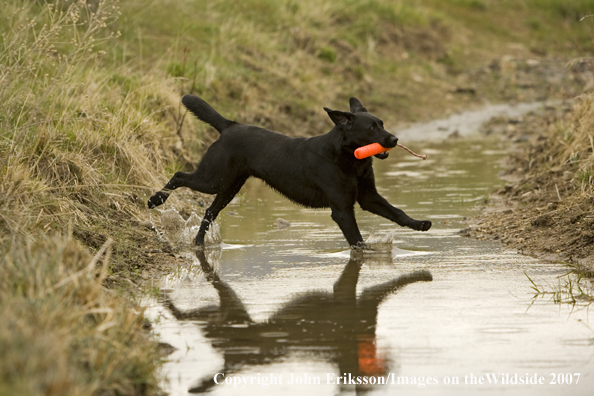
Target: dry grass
<point x="74" y="148"/>
<point x="62" y="333"/>
<point x="69" y="134"/>
<point x="565" y="147"/>
<point x="576" y="143"/>
<point x="276" y="63"/>
<point x="91" y="122"/>
<point x="549" y="207"/>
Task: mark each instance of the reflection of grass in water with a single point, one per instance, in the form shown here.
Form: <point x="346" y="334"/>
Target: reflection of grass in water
<point x="575" y="288"/>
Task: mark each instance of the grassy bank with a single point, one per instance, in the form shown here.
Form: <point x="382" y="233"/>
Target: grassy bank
<point x="547" y="209"/>
<point x="90" y="123"/>
<point x="62" y="332"/>
<point x="276" y="63"/>
<point x="75" y="147"/>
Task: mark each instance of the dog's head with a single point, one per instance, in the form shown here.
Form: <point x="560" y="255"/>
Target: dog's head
<point x="360" y="128"/>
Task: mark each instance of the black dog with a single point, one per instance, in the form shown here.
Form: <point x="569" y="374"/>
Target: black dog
<point x="317" y="172"/>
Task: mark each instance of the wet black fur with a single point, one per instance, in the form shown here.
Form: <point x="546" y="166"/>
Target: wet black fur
<point x="317" y="172"/>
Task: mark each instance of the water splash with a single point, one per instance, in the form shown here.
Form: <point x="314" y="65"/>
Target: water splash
<point x="172" y="227"/>
<point x="386" y="240"/>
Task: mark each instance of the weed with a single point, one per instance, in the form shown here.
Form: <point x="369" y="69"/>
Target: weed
<point x="574" y="288"/>
<point x="327" y="53"/>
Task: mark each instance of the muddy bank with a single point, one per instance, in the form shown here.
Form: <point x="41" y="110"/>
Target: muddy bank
<point x="546" y="209"/>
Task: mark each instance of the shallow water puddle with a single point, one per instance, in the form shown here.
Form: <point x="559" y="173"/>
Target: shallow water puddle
<point x="288" y="310"/>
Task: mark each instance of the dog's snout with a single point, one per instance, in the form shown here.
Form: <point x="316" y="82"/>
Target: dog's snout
<point x="392" y="140"/>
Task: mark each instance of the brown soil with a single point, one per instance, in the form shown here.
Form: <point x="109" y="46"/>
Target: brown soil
<point x="138" y="255"/>
<point x="542" y="211"/>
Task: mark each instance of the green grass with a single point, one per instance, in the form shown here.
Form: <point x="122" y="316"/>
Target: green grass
<point x="573" y="288"/>
<point x="91" y="123"/>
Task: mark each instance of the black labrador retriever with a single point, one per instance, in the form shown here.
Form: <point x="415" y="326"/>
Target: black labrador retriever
<point x="317" y="172"/>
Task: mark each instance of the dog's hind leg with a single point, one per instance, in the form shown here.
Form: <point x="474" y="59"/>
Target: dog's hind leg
<point x="221" y="200"/>
<point x="217" y="171"/>
<point x="161" y="196"/>
<point x="194" y="181"/>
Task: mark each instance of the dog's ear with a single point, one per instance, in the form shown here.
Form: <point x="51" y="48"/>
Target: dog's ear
<point x="356" y="106"/>
<point x="340" y="118"/>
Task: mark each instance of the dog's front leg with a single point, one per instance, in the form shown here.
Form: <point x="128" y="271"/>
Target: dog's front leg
<point x="221" y="200"/>
<point x="375" y="203"/>
<point x="345" y="218"/>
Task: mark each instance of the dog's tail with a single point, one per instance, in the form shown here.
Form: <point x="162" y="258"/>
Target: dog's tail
<point x="205" y="113"/>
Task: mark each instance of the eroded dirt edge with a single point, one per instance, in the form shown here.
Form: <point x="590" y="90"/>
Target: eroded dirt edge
<point x="542" y="211"/>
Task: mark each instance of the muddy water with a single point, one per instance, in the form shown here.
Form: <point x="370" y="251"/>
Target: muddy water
<point x="290" y="310"/>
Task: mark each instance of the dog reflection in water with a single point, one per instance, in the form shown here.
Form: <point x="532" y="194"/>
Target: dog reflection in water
<point x="340" y="324"/>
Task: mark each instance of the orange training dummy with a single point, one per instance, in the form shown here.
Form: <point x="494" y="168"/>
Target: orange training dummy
<point x="376" y="148"/>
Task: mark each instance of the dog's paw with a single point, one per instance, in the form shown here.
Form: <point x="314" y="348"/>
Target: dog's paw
<point x="157" y="199"/>
<point x="424" y="225"/>
<point x="361" y="247"/>
<point x="152" y="203"/>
